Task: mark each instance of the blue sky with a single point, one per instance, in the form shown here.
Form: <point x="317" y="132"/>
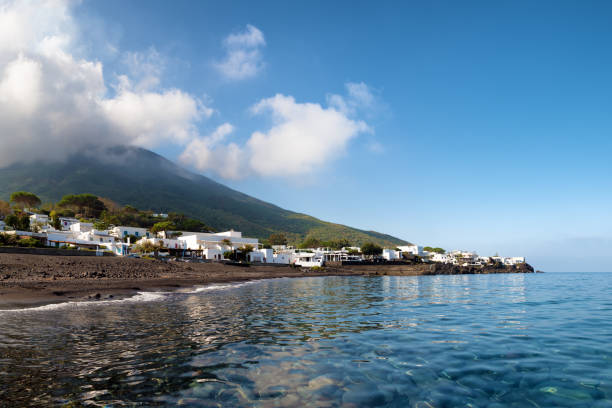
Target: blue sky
<point x="484" y="125"/>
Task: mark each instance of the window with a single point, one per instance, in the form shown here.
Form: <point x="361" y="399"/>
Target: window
<point x="136" y="233"/>
<point x="124" y="232"/>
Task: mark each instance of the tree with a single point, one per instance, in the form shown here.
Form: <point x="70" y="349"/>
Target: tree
<point x="371" y="249"/>
<point x="100" y="225"/>
<point x="132" y="238"/>
<point x="87" y="204"/>
<point x="110" y="204"/>
<point x="188" y="224"/>
<point x="164" y="226"/>
<point x="277" y="238"/>
<point x="247" y="249"/>
<point x="226" y="242"/>
<point x="19" y="221"/>
<point x="55" y="220"/>
<point x="146" y="247"/>
<point x="5" y="209"/>
<point x="436" y="250"/>
<point x="242" y="252"/>
<point x="25" y="199"/>
<point x="337" y="244"/>
<point x="310" y="242"/>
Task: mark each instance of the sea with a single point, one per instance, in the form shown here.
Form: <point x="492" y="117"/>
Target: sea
<point x="503" y="340"/>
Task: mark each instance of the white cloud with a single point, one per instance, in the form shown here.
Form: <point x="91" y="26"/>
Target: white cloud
<point x="243" y="57"/>
<point x="303" y="138"/>
<point x="53" y="103"/>
<point x="252" y="37"/>
<point x="359" y="97"/>
<point x="146" y="66"/>
<point x="206" y="154"/>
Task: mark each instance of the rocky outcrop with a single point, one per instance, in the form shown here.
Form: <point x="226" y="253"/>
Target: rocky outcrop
<point x="430" y="269"/>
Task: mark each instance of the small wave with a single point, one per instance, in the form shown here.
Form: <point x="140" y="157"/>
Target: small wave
<point x="201" y="289"/>
<point x="139" y="297"/>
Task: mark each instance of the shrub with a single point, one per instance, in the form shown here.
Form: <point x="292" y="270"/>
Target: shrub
<point x="8" y="240"/>
<point x="30" y="243"/>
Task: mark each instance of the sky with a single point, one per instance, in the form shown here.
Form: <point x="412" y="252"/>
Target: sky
<point x="469" y="125"/>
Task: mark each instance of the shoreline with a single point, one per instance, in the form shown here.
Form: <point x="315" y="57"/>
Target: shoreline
<point x="36" y="280"/>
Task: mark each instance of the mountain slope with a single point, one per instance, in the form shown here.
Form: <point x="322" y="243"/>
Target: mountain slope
<point x="148" y="181"/>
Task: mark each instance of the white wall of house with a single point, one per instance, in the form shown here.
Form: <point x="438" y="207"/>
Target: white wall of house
<point x="118" y="248"/>
<point x="412" y="249"/>
<point x="66" y="222"/>
<point x="81" y="227"/>
<point x="307" y="259"/>
<point x="216" y="254"/>
<point x="267" y="254"/>
<point x="229" y="234"/>
<point x="201" y="240"/>
<point x="41" y="219"/>
<point x="95" y="236"/>
<point x="442" y="258"/>
<point x="255" y="256"/>
<point x="123" y="231"/>
<point x="282" y="258"/>
<point x="390" y="254"/>
<point x="515" y="260"/>
<point x="169" y="243"/>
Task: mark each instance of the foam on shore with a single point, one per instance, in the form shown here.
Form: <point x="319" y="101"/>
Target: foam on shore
<point x="139" y="297"/>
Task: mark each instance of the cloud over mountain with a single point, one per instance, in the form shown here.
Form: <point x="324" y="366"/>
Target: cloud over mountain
<point x="55" y="101"/>
<point x="302" y="138"/>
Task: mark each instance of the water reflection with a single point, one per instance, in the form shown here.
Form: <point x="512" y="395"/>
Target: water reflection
<point x="383" y="341"/>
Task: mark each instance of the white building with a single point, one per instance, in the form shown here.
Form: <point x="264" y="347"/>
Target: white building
<point x="391" y="254"/>
<point x="204" y="240"/>
<point x="122" y="231"/>
<point x="66" y="222"/>
<point x="39" y="219"/>
<point x="515" y="260"/>
<point x="412" y="249"/>
<point x="81" y="227"/>
<point x="96" y="236"/>
<point x="307" y="259"/>
<point x="169" y="243"/>
<point x="267" y="254"/>
<point x="2" y="225"/>
<point x="282" y="258"/>
<point x="442" y="258"/>
<point x="255" y="256"/>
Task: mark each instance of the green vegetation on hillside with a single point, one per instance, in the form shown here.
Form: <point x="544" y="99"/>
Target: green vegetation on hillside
<point x="138" y="177"/>
<point x="436" y="250"/>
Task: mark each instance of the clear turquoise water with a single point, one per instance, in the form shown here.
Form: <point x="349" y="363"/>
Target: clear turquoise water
<point x="538" y="340"/>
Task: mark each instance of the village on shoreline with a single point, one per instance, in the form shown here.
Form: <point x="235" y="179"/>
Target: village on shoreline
<point x="77" y="222"/>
